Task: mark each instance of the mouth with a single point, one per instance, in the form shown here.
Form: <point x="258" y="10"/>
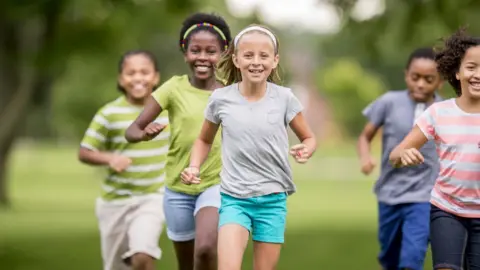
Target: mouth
<point x="139" y="87"/>
<point x="202" y="68"/>
<point x="255" y="71"/>
<point x="475" y="85"/>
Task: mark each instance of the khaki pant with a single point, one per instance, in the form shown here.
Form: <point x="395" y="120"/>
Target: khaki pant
<point x="128" y="227"/>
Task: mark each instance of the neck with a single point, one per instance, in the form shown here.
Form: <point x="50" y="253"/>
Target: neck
<point x="208" y="84"/>
<point x="136" y="102"/>
<point x="253" y="90"/>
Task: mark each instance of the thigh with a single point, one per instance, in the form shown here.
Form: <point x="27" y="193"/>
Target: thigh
<point x="232" y="241"/>
<point x="209" y="198"/>
<point x="179" y="208"/>
<point x="145" y="227"/>
<point x="448" y="237"/>
<point x="266" y="255"/>
<point x="473" y="246"/>
<point x="269" y="218"/>
<point x="235" y="211"/>
<point x="113" y="234"/>
<point x="415" y="235"/>
<point x="389" y="235"/>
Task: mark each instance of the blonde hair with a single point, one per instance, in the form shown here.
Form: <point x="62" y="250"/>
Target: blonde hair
<point x="230" y="74"/>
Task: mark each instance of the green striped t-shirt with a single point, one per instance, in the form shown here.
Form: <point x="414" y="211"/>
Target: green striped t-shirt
<point x="106" y="132"/>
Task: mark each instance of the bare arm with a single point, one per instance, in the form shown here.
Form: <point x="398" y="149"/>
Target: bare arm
<point x="300" y="127"/>
<point x="203" y="144"/>
<point x="136" y="131"/>
<point x="365" y="140"/>
<point x="415" y="139"/>
<point x="92" y="157"/>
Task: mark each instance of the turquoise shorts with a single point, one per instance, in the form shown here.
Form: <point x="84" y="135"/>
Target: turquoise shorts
<point x="264" y="217"/>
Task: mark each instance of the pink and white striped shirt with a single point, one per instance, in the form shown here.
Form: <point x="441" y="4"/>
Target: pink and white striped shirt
<point x="457" y="138"/>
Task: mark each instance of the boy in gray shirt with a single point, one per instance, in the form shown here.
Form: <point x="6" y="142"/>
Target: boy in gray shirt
<point x="403" y="194"/>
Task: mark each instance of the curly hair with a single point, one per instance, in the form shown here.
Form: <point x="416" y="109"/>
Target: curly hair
<point x="126" y="55"/>
<point x="201" y="18"/>
<point x="451" y="55"/>
<point x="421" y="53"/>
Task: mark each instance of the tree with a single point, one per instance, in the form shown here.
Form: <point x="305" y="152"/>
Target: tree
<point x="36" y="38"/>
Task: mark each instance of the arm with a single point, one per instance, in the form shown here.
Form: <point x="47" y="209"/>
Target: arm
<point x="94" y="157"/>
<point x="415" y="139"/>
<point x="136" y="131"/>
<point x="203" y="144"/>
<point x="364" y="141"/>
<point x="304" y="134"/>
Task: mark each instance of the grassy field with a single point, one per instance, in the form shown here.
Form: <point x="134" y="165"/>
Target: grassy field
<point x="51" y="225"/>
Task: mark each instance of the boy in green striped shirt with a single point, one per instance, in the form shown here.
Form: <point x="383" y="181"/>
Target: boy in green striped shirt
<point x="130" y="210"/>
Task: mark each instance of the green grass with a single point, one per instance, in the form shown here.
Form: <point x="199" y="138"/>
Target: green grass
<point x="51" y="225"/>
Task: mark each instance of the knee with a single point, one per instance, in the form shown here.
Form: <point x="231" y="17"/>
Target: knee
<point x="141" y="261"/>
<point x="206" y="251"/>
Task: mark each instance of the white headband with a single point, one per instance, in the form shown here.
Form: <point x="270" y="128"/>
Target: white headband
<point x="255" y="28"/>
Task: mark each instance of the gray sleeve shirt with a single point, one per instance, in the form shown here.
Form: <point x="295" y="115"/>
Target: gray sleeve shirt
<point x="254" y="140"/>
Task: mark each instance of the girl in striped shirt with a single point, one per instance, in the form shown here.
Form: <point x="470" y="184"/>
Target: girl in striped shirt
<point x="454" y="126"/>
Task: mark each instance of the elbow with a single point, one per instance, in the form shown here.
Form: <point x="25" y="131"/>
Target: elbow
<point x="82" y="156"/>
<point x="129" y="135"/>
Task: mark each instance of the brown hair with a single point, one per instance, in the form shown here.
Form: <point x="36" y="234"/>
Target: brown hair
<point x="229" y="73"/>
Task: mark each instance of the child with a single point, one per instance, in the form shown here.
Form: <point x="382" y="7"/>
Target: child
<point x="453" y="125"/>
<point x="191" y="211"/>
<point x="256" y="177"/>
<point x="403" y="194"/>
<point x="130" y="211"/>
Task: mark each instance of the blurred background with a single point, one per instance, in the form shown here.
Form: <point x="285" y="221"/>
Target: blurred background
<point x="58" y="65"/>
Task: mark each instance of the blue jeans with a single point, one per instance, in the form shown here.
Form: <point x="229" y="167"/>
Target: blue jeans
<point x="180" y="210"/>
<point x="403" y="234"/>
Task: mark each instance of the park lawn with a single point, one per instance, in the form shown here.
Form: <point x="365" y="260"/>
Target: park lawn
<point x="51" y="224"/>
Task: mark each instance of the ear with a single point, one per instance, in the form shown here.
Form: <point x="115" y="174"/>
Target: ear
<point x="457" y="76"/>
<point x="235" y="60"/>
<point x="156" y="80"/>
<point x="405" y="74"/>
<point x="276" y="60"/>
<point x="119" y="80"/>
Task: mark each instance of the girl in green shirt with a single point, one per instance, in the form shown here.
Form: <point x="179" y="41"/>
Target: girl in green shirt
<point x="191" y="211"/>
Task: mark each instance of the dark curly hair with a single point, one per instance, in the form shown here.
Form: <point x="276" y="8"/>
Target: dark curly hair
<point x="200" y="18"/>
<point x="127" y="54"/>
<point x="451" y="55"/>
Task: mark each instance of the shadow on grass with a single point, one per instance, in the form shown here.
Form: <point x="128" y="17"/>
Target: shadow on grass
<point x="306" y="249"/>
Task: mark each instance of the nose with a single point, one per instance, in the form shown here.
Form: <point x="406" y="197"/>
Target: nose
<point x="202" y="56"/>
<point x="256" y="60"/>
<point x="476" y="75"/>
<point x="421" y="84"/>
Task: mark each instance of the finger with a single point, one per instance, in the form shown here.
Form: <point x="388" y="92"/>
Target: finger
<point x="302" y="160"/>
<point x="418" y="155"/>
<point x="414" y="158"/>
<point x="297" y="147"/>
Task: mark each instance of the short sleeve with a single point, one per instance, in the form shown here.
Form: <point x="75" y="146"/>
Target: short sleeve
<point x="376" y="112"/>
<point x="211" y="111"/>
<point x="95" y="137"/>
<point x="163" y="95"/>
<point x="426" y="122"/>
<point x="294" y="106"/>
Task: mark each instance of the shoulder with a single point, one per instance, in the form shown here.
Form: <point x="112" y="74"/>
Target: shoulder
<point x="444" y="104"/>
<point x="174" y="82"/>
<point x="282" y="92"/>
<point x="224" y="92"/>
<point x="111" y="107"/>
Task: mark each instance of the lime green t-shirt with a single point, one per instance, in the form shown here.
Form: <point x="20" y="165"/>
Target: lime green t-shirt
<point x="106" y="132"/>
<point x="186" y="105"/>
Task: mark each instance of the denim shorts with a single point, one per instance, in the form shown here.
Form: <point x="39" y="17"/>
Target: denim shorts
<point x="180" y="210"/>
<point x="264" y="216"/>
<point x="455" y="241"/>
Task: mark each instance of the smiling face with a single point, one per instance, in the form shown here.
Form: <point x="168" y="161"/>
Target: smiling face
<point x="138" y="77"/>
<point x="202" y="54"/>
<point x="469" y="73"/>
<point x="422" y="79"/>
<point x="255" y="57"/>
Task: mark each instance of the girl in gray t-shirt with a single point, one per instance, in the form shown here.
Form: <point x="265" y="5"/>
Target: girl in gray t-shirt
<point x="254" y="113"/>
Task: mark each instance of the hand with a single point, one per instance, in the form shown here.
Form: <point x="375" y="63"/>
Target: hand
<point x="190" y="176"/>
<point x="367" y="165"/>
<point x="119" y="163"/>
<point x="152" y="130"/>
<point x="411" y="157"/>
<point x="300" y="153"/>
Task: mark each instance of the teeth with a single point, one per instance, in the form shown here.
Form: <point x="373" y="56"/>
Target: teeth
<point x="202" y="68"/>
<point x="255" y="71"/>
<point x="138" y="86"/>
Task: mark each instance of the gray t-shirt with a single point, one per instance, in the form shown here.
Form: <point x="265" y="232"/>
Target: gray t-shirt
<point x="395" y="112"/>
<point x="254" y="140"/>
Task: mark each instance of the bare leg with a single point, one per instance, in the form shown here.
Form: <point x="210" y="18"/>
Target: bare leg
<point x="232" y="242"/>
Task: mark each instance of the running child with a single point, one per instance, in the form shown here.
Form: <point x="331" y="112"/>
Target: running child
<point x="130" y="211"/>
<point x="403" y="194"/>
<point x="254" y="113"/>
<point x="454" y="126"/>
<point x="191" y="211"/>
